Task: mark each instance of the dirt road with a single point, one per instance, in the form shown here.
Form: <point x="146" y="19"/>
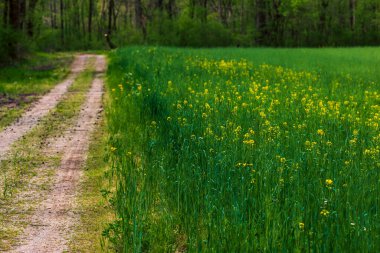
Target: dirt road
<point x="40" y="109"/>
<point x="49" y="228"/>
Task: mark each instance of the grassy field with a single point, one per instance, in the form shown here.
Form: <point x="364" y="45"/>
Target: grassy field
<point x="244" y="150"/>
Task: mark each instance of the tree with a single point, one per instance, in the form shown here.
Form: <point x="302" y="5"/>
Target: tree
<point x="352" y="5"/>
<point x="30" y="21"/>
<point x="90" y="13"/>
<point x="14" y="14"/>
<point x="61" y="8"/>
<point x="111" y="6"/>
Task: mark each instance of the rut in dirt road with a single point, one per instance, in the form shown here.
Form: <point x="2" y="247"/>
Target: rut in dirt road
<point x="40" y="109"/>
<point x="50" y="225"/>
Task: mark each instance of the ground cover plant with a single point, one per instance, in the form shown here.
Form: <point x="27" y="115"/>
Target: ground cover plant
<point x="23" y="82"/>
<point x="211" y="154"/>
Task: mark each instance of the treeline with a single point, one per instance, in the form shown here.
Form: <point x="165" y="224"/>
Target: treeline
<point x="85" y="24"/>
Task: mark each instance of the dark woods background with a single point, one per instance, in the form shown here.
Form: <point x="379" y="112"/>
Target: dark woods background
<point x="93" y="24"/>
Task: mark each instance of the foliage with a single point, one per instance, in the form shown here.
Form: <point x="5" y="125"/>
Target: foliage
<point x="194" y="33"/>
<point x="75" y="25"/>
<point x="13" y="45"/>
<point x="211" y="152"/>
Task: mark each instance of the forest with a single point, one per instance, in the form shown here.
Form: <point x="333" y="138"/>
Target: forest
<point x="49" y="25"/>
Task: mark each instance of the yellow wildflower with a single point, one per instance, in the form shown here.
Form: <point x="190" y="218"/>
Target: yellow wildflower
<point x="329" y="182"/>
<point x="325" y="212"/>
<point x="249" y="142"/>
<point x="320" y="132"/>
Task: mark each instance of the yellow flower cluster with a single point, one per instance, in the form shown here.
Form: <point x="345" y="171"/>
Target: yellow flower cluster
<point x="325" y="213"/>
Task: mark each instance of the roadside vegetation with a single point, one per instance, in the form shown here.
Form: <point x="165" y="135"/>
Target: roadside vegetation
<point x="23" y="83"/>
<point x="254" y="150"/>
<point x="91" y="202"/>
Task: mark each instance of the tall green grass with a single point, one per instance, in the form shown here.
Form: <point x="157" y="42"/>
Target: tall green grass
<point x="215" y="151"/>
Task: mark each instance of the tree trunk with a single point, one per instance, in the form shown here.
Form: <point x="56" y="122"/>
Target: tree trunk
<point x="205" y="11"/>
<point x="53" y="14"/>
<point x="83" y="19"/>
<point x="138" y="14"/>
<point x="22" y="4"/>
<point x="77" y="17"/>
<point x="323" y="22"/>
<point x="102" y="21"/>
<point x="14" y="14"/>
<point x="225" y="11"/>
<point x="242" y="23"/>
<point x="114" y="18"/>
<point x="170" y="8"/>
<point x="277" y="22"/>
<point x="126" y="6"/>
<point x="352" y="4"/>
<point x="140" y="24"/>
<point x="90" y="12"/>
<point x="14" y="19"/>
<point x="111" y="6"/>
<point x="5" y="13"/>
<point x="160" y="5"/>
<point x="192" y="9"/>
<point x="261" y="21"/>
<point x="30" y="24"/>
<point x="62" y="22"/>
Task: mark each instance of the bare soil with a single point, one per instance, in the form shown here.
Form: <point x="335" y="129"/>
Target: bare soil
<point x="14" y="101"/>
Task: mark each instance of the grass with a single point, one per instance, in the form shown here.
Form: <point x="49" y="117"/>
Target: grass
<point x="23" y="83"/>
<point x="329" y="63"/>
<point x="26" y="176"/>
<point x="244" y="150"/>
<point x="94" y="209"/>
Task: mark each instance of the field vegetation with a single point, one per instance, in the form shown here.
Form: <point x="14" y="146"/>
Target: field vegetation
<point x="244" y="150"/>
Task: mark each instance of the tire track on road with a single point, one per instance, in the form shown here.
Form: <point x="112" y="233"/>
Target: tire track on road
<point x="40" y="109"/>
<point x="49" y="230"/>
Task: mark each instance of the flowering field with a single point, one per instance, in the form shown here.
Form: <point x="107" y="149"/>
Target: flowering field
<point x="227" y="154"/>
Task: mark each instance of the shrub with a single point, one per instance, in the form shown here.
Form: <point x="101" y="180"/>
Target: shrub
<point x="13" y="46"/>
